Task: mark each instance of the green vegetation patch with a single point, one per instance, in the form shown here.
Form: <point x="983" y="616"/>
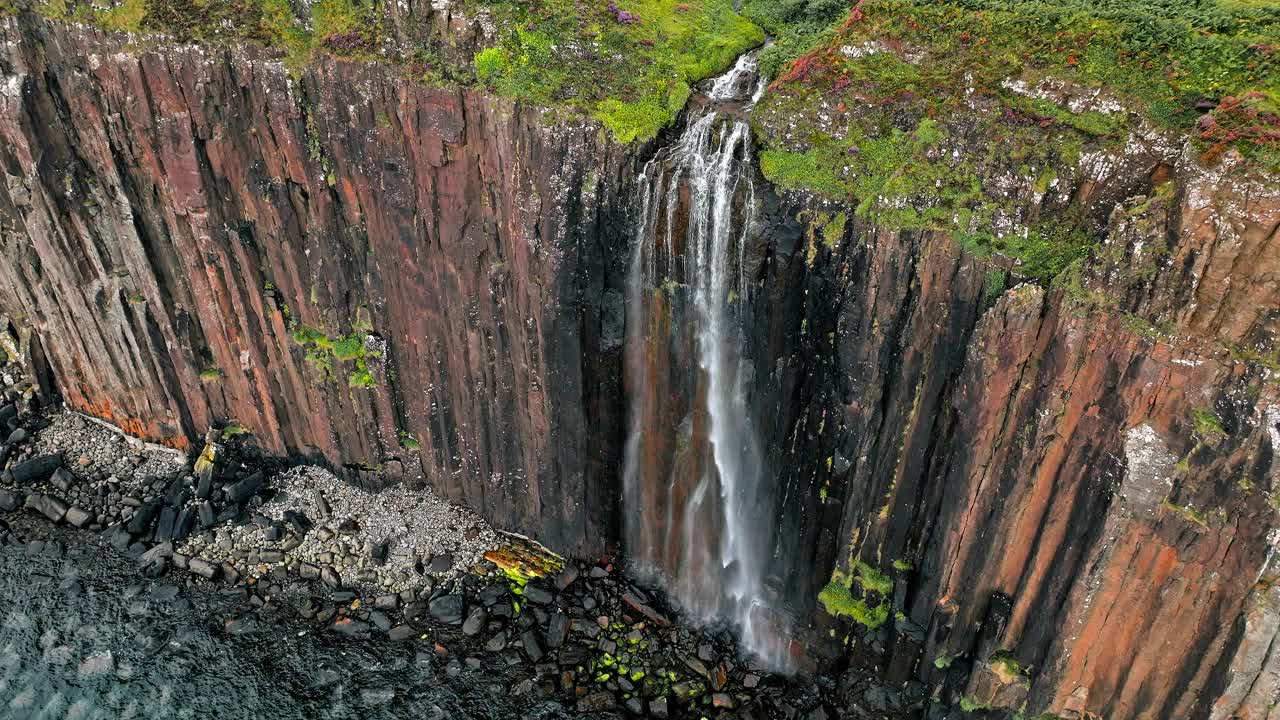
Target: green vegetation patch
<point x="1189" y="513"/>
<point x="629" y="63"/>
<point x="872" y="579"/>
<point x="1007" y="667"/>
<point x="350" y="28"/>
<point x="1207" y="423"/>
<point x="322" y="350"/>
<point x="915" y="111"/>
<point x="839" y="602"/>
<point x="837" y="597"/>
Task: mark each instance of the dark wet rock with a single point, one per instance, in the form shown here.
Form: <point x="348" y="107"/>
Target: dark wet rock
<point x="649" y="613"/>
<point x="585" y="627"/>
<point x="142" y="518"/>
<point x="597" y="702"/>
<point x="400" y="633"/>
<point x="532" y="644"/>
<point x="203" y="568"/>
<point x="448" y="609"/>
<point x="77" y="517"/>
<point x="246" y="488"/>
<point x="62" y="479"/>
<point x="380" y="620"/>
<point x="634" y="706"/>
<point x="351" y="627"/>
<point x="598" y="573"/>
<point x="271" y="556"/>
<point x="683" y="690"/>
<point x="164" y="526"/>
<point x="497" y="643"/>
<point x="36" y="469"/>
<point x="184" y="523"/>
<point x="491" y="594"/>
<point x="567" y="576"/>
<point x="441" y="564"/>
<point x="10" y="501"/>
<point x="539" y="595"/>
<point x="47" y="505"/>
<point x="330" y="577"/>
<point x="120" y="537"/>
<point x="476" y="620"/>
<point x="557" y="630"/>
<point x="204" y="487"/>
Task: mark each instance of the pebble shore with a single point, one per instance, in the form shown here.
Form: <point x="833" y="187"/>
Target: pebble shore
<point x="397" y="566"/>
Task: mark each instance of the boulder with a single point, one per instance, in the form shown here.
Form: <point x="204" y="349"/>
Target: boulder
<point x="36" y="470"/>
<point x="448" y="609"/>
<point x="246" y="488"/>
<point x="47" y="505"/>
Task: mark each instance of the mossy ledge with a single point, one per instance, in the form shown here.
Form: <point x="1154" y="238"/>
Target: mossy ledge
<point x="629" y="64"/>
<point x="916" y="112"/>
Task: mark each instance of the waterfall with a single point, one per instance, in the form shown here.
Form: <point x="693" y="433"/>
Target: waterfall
<point x="698" y="517"/>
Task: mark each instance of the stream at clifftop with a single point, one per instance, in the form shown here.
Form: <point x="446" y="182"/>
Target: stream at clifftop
<point x="82" y="637"/>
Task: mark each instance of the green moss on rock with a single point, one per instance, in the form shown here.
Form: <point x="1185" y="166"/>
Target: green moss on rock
<point x="839" y="602"/>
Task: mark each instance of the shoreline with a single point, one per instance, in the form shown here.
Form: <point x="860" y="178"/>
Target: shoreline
<point x="397" y="569"/>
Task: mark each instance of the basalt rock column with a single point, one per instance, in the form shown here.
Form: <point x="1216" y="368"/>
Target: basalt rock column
<point x="698" y="515"/>
<point x="396" y="279"/>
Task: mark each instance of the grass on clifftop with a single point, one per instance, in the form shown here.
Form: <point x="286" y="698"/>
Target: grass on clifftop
<point x="350" y="28"/>
<point x="630" y="63"/>
<point x="918" y="110"/>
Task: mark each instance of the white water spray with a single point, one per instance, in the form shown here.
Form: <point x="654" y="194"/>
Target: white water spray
<point x="698" y="516"/>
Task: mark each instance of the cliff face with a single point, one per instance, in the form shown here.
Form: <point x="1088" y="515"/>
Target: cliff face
<point x="1069" y="489"/>
<point x="354" y="267"/>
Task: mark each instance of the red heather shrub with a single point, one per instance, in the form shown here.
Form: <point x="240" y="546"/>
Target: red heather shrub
<point x="1237" y="119"/>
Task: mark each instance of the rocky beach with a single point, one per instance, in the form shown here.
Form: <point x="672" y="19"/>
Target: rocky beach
<point x="130" y="565"/>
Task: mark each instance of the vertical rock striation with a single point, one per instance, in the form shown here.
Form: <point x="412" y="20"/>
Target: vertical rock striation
<point x="1059" y="498"/>
<point x="1071" y="489"/>
<point x="354" y="266"/>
